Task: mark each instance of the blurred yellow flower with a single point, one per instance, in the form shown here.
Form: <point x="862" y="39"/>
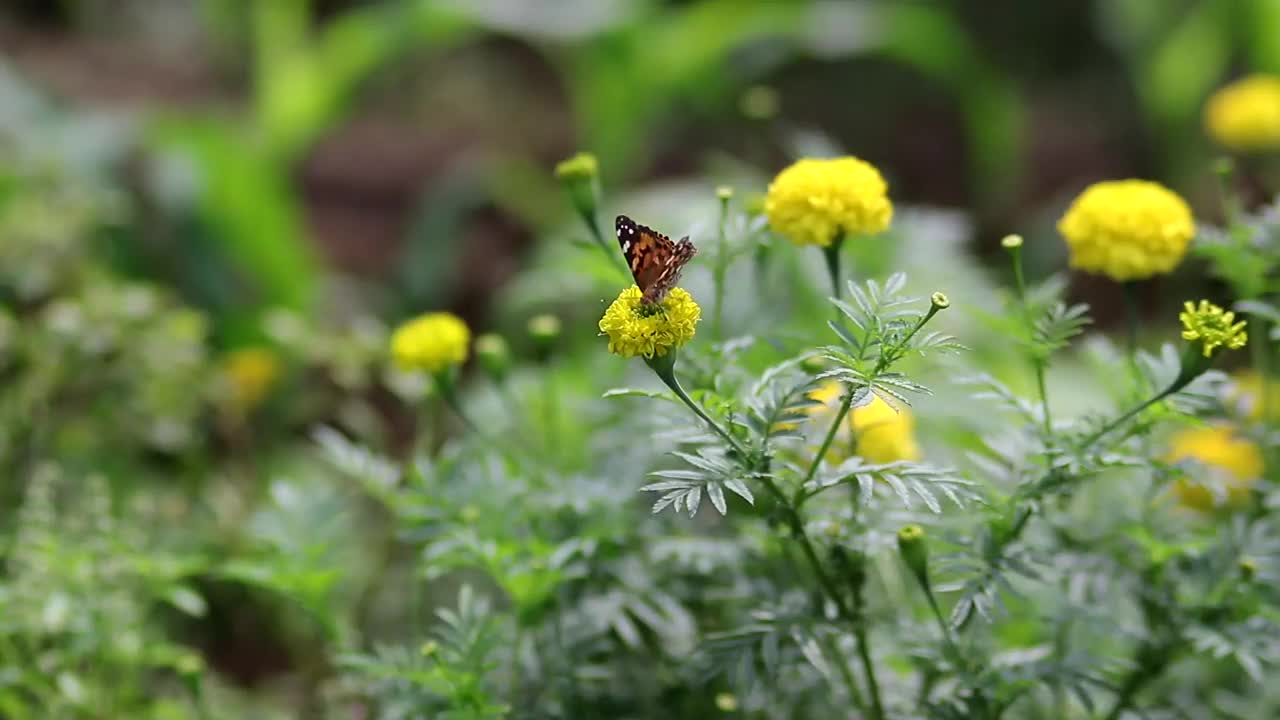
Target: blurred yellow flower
<point x="1238" y="461"/>
<point x="814" y="201"/>
<point x="1246" y="396"/>
<point x="432" y="342"/>
<point x="649" y="330"/>
<point x="1245" y="115"/>
<point x="1212" y="326"/>
<point x="250" y="374"/>
<point x="1127" y="229"/>
<point x="878" y="432"/>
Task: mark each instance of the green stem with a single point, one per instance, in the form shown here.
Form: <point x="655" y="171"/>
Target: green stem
<point x="869" y="669"/>
<point x="551" y="412"/>
<point x="845" y="405"/>
<point x="1138" y="679"/>
<point x="1037" y="363"/>
<point x="832" y="255"/>
<point x="942" y="622"/>
<point x="1089" y="441"/>
<point x="1131" y="316"/>
<point x="615" y="257"/>
<point x="664" y="368"/>
<point x="846" y="613"/>
<point x="842" y="665"/>
<point x="721" y="269"/>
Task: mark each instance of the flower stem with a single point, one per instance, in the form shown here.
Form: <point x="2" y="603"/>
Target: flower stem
<point x="869" y="669"/>
<point x="1037" y="362"/>
<point x="593" y="225"/>
<point x="721" y="268"/>
<point x="1137" y="679"/>
<point x="842" y="665"/>
<point x="832" y="255"/>
<point x="846" y="613"/>
<point x="845" y="405"/>
<point x="664" y="368"/>
<point x="1089" y="441"/>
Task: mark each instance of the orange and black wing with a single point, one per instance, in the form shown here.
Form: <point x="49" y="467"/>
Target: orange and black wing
<point x="654" y="260"/>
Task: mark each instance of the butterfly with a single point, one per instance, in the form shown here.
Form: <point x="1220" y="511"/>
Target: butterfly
<point x="654" y="260"/>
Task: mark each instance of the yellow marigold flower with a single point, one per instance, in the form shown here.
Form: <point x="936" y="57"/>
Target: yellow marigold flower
<point x="877" y="431"/>
<point x="813" y="201"/>
<point x="1245" y="115"/>
<point x="432" y="342"/>
<point x="1127" y="229"/>
<point x="1247" y="397"/>
<point x="1238" y="462"/>
<point x="1212" y="326"/>
<point x="249" y="373"/>
<point x="650" y="330"/>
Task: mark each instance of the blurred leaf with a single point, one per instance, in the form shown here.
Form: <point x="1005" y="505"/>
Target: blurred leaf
<point x="253" y="215"/>
<point x="1177" y="74"/>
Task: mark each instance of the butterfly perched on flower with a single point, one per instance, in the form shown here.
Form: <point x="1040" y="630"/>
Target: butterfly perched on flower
<point x="655" y="260"/>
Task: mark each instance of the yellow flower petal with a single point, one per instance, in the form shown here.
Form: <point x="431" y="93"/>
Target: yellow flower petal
<point x="1245" y="115"/>
<point x="814" y="201"/>
<point x="649" y="331"/>
<point x="1217" y="447"/>
<point x="877" y="432"/>
<point x="431" y="342"/>
<point x="1127" y="229"/>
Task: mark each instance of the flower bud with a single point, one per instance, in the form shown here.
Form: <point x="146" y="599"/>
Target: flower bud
<point x="726" y="702"/>
<point x="725" y="193"/>
<point x="1011" y="242"/>
<point x="940" y="301"/>
<point x="582" y="166"/>
<point x="545" y="331"/>
<point x="493" y="355"/>
<point x="813" y="364"/>
<point x="578" y="176"/>
<point x="1248" y="569"/>
<point x="914" y="548"/>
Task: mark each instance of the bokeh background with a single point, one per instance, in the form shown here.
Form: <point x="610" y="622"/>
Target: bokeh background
<point x="304" y="174"/>
<point x="406" y="145"/>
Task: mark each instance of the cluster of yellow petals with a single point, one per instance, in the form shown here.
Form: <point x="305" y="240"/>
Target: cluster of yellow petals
<point x="1235" y="461"/>
<point x="1212" y="327"/>
<point x="1127" y="229"/>
<point x="814" y="201"/>
<point x="877" y="431"/>
<point x="1245" y="116"/>
<point x="649" y="331"/>
<point x="432" y="342"/>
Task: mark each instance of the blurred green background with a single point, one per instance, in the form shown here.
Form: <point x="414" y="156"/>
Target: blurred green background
<point x="406" y="145"/>
<point x="307" y="173"/>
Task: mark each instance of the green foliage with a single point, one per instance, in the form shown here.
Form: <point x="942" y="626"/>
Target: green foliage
<point x="317" y="534"/>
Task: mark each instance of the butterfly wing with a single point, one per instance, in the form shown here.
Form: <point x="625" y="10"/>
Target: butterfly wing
<point x="654" y="260"/>
<point x="682" y="252"/>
